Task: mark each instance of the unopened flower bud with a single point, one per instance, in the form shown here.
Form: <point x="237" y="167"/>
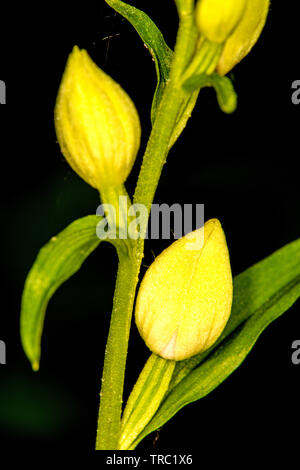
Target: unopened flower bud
<point x="96" y="123"/>
<point x="185" y="298"/>
<point x="245" y="35"/>
<point x="217" y="19"/>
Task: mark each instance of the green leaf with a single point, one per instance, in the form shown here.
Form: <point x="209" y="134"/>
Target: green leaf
<point x="226" y="95"/>
<point x="261" y="294"/>
<point x="154" y="41"/>
<point x="145" y="398"/>
<point x="56" y="262"/>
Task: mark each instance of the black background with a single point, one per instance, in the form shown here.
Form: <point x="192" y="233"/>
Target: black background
<point x="243" y="167"/>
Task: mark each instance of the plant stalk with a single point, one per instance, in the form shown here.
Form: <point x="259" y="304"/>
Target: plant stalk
<point x="109" y="421"/>
<point x="111" y="396"/>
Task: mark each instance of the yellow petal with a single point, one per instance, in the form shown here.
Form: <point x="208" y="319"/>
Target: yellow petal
<point x="184" y="300"/>
<point x="217" y="19"/>
<point x="96" y="123"/>
<point x="245" y="36"/>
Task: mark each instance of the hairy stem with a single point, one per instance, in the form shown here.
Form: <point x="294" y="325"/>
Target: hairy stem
<point x="115" y="356"/>
<point x="109" y="422"/>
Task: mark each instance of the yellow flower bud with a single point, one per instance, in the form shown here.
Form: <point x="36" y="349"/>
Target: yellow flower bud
<point x="217" y="19"/>
<point x="245" y="35"/>
<point x="185" y="298"/>
<point x="96" y="123"/>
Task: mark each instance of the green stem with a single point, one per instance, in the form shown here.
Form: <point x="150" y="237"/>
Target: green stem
<point x="170" y="106"/>
<point x="116" y="202"/>
<point x="115" y="356"/>
<point x="109" y="422"/>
